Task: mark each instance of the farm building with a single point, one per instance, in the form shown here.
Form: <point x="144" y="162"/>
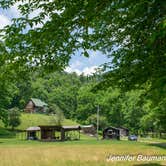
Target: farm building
<point x="60" y="133"/>
<point x="88" y="129"/>
<point x="35" y="105"/>
<point x="33" y="133"/>
<point x="49" y="133"/>
<point x="123" y="131"/>
<point x="111" y="133"/>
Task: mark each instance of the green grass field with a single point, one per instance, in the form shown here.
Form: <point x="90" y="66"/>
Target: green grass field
<point x="86" y="152"/>
<point x="16" y="151"/>
<point x="28" y="120"/>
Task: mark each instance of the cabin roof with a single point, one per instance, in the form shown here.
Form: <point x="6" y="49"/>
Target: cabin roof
<point x="87" y="126"/>
<point x="66" y="128"/>
<point x="38" y="102"/>
<point x="123" y="128"/>
<point x="33" y="128"/>
<point x="49" y="126"/>
<point x="111" y="127"/>
<point x="71" y="127"/>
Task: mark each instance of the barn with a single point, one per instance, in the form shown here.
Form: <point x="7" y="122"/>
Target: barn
<point x="35" y="105"/>
<point x="111" y="133"/>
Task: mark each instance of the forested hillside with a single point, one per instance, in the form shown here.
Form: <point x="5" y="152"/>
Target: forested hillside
<point x="78" y="98"/>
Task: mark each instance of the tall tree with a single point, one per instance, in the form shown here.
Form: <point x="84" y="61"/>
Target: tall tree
<point x="8" y="90"/>
<point x="14" y="118"/>
<point x="57" y="116"/>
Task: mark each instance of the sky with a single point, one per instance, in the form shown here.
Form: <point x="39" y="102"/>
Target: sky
<point x="78" y="63"/>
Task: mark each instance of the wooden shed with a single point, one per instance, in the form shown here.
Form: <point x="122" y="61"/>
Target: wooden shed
<point x="35" y="105"/>
<point x="111" y="133"/>
<point x="48" y="133"/>
<point x="88" y="129"/>
<point x="124" y="131"/>
<point x="60" y="133"/>
<point x="70" y="133"/>
<point x="32" y="133"/>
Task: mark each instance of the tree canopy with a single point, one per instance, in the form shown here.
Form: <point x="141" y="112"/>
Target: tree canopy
<point x="133" y="33"/>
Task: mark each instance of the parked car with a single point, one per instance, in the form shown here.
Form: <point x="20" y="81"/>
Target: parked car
<point x="132" y="138"/>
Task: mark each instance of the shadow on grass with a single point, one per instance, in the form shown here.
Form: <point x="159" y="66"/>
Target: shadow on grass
<point x="160" y="145"/>
<point x="148" y="164"/>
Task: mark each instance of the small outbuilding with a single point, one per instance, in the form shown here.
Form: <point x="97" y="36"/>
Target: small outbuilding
<point x="35" y="105"/>
<point x="88" y="129"/>
<point x="111" y="133"/>
<point x="60" y="133"/>
<point x="124" y="131"/>
<point x="50" y="133"/>
<point x="70" y="133"/>
<point x="32" y="133"/>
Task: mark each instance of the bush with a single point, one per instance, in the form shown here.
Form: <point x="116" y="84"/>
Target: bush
<point x="102" y="121"/>
<point x="4" y="133"/>
<point x="14" y="118"/>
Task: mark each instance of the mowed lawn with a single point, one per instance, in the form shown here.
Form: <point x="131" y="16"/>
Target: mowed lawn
<point x="86" y="152"/>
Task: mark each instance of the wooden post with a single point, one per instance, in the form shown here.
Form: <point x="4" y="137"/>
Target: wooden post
<point x="25" y="135"/>
<point x="62" y="135"/>
<point x="98" y="109"/>
<point x="79" y="134"/>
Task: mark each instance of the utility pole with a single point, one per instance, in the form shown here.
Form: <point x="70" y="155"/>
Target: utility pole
<point x="98" y="109"/>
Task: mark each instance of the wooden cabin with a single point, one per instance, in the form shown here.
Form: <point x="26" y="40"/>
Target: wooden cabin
<point x="35" y="105"/>
<point x="111" y="133"/>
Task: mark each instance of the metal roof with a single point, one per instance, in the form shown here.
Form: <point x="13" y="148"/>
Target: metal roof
<point x="33" y="129"/>
<point x="66" y="128"/>
<point x="111" y="127"/>
<point x="87" y="126"/>
<point x="38" y="102"/>
<point x="123" y="128"/>
<point x="71" y="127"/>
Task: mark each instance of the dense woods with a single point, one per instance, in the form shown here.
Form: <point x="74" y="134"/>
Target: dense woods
<point x="76" y="97"/>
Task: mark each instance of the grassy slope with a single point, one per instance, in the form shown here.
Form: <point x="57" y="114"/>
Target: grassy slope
<point x="28" y="120"/>
<point x="39" y="119"/>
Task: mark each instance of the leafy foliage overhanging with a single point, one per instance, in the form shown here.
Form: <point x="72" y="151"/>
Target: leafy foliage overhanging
<point x="133" y="33"/>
